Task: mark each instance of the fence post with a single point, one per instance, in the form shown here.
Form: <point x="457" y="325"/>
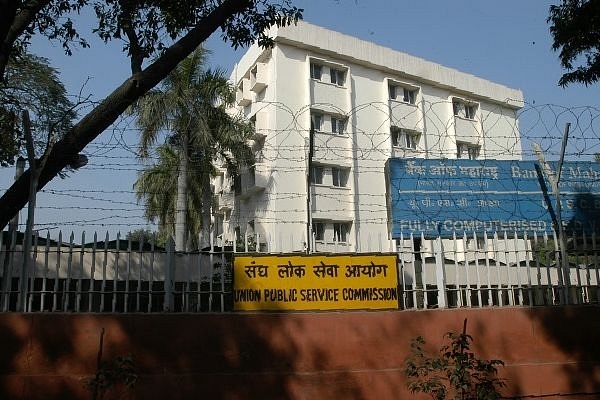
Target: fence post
<point x="8" y="270"/>
<point x="440" y="273"/>
<point x="169" y="276"/>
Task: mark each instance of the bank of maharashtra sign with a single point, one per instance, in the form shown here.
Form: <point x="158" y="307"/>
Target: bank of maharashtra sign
<point x="441" y="197"/>
<point x="315" y="282"/>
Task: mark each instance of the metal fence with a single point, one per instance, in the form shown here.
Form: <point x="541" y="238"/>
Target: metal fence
<point x="124" y="276"/>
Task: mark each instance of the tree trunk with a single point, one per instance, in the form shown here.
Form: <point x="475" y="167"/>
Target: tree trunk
<point x="181" y="202"/>
<point x="207" y="196"/>
<point x="103" y="115"/>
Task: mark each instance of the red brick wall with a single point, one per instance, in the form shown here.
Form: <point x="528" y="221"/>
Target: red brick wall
<point x="333" y="355"/>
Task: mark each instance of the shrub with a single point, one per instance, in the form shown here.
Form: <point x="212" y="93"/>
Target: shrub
<point x="454" y="373"/>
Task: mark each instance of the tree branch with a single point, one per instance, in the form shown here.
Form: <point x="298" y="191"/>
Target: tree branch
<point x="136" y="53"/>
<point x="103" y="115"/>
<point x="13" y="24"/>
<point x="9" y="11"/>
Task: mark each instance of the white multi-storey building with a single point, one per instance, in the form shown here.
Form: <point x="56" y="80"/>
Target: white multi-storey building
<point x="365" y="104"/>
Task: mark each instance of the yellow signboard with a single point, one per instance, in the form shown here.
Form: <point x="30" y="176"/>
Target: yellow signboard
<point x="315" y="282"/>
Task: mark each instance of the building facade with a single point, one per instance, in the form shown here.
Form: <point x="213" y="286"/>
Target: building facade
<point x="363" y="103"/>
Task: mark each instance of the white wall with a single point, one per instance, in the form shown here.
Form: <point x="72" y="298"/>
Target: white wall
<point x="280" y="210"/>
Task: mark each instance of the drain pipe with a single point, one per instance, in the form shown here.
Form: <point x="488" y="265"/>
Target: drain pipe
<point x="311" y="138"/>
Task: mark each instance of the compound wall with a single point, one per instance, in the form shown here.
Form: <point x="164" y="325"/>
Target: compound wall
<point x="548" y="352"/>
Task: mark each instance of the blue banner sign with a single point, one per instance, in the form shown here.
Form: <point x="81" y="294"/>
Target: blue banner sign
<point x="440" y="197"/>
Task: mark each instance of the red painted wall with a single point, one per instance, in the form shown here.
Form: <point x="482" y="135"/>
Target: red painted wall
<point x="333" y="355"/>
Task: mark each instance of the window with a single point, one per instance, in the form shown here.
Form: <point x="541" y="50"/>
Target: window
<point x="467" y="150"/>
<point x="470" y="111"/>
<point x="340" y="231"/>
<point x="237" y="185"/>
<point x="339" y="176"/>
<point x="463" y="109"/>
<point x="477" y="244"/>
<point x="318" y="229"/>
<point x="327" y="123"/>
<point x="408" y="96"/>
<point x="480" y="243"/>
<point x="252" y="175"/>
<point x="404" y="94"/>
<point x="316" y="71"/>
<point x="316" y="176"/>
<point x="457" y="108"/>
<point x="337" y="125"/>
<point x="337" y="76"/>
<point x="317" y="121"/>
<point x="392" y="90"/>
<point x="405" y="139"/>
<point x="219" y="183"/>
<point x="473" y="152"/>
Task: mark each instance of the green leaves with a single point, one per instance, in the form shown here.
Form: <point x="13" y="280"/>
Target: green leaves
<point x="575" y="28"/>
<point x="54" y="21"/>
<point x="153" y="22"/>
<point x="146" y="27"/>
<point x="9" y="142"/>
<point x="453" y="373"/>
<point x="189" y="110"/>
<point x="32" y="85"/>
<point x="252" y="25"/>
<point x="121" y="370"/>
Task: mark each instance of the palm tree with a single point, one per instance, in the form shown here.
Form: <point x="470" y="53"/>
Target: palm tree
<point x="190" y="107"/>
<point x="156" y="188"/>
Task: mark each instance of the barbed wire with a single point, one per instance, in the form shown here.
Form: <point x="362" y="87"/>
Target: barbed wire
<point x="500" y="132"/>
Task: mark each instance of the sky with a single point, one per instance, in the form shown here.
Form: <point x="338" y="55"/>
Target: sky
<point x="506" y="42"/>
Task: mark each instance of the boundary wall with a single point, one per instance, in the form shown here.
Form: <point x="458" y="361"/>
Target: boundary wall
<point x="549" y="352"/>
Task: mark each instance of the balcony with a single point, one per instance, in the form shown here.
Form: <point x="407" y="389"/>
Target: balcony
<point x="224" y="201"/>
<point x="405" y="115"/>
<point x="467" y="130"/>
<point x="243" y="96"/>
<point x="329" y="202"/>
<point x="402" y="152"/>
<point x="331" y="148"/>
<point x="333" y="97"/>
<point x="253" y="180"/>
<point x="258" y="77"/>
<point x="332" y="247"/>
